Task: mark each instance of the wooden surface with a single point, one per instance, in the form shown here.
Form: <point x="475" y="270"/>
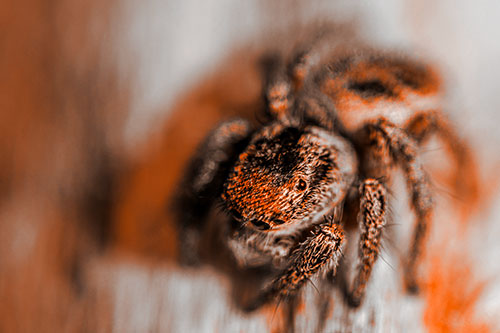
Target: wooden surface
<point x="103" y="102"/>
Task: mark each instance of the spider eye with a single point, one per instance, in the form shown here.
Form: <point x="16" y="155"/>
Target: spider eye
<point x="260" y="224"/>
<point x="278" y="221"/>
<point x="236" y="215"/>
<point x="301" y="185"/>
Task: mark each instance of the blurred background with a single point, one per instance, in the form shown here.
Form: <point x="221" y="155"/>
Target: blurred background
<point x="101" y="104"/>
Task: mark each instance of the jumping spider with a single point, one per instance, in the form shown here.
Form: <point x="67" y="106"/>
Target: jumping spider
<point x="338" y="122"/>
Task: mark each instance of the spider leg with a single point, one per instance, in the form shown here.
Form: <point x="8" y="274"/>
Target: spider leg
<point x="303" y="63"/>
<point x="282" y="86"/>
<point x="320" y="251"/>
<point x="287" y="102"/>
<point x="203" y="181"/>
<point x="465" y="176"/>
<point x="371" y="218"/>
<point x="277" y="87"/>
<point x="306" y="74"/>
<point x="319" y="49"/>
<point x="404" y="150"/>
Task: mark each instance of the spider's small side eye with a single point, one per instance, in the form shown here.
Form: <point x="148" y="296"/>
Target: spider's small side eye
<point x="278" y="221"/>
<point x="236" y="215"/>
<point x="260" y="224"/>
<point x="301" y="185"/>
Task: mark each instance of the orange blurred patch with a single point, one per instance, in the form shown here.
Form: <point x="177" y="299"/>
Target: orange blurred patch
<point x="58" y="104"/>
<point x="451" y="293"/>
<point x="280" y="315"/>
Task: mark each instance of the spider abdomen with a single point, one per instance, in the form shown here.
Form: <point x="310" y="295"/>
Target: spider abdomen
<point x="364" y="88"/>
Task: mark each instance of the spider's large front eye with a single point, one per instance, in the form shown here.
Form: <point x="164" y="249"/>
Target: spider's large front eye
<point x="301" y="185"/>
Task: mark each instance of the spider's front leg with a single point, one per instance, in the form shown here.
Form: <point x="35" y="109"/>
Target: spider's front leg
<point x="404" y="150"/>
<point x="321" y="251"/>
<point x="203" y="182"/>
<point x="371" y="219"/>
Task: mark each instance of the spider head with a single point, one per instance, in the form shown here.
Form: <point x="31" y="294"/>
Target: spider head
<point x="289" y="175"/>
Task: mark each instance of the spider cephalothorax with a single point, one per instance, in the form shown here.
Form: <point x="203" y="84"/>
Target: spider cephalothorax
<point x="339" y="122"/>
<point x="289" y="174"/>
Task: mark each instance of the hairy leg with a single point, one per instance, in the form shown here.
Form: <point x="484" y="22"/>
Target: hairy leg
<point x="326" y="44"/>
<point x="320" y="251"/>
<point x="404" y="150"/>
<point x="203" y="181"/>
<point x="277" y="87"/>
<point x="371" y="219"/>
<point x="306" y="73"/>
<point x="465" y="176"/>
<point x="287" y="104"/>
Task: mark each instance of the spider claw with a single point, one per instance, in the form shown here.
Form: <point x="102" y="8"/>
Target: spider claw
<point x="250" y="307"/>
<point x="412" y="288"/>
<point x="353" y="301"/>
<point x="255" y="304"/>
